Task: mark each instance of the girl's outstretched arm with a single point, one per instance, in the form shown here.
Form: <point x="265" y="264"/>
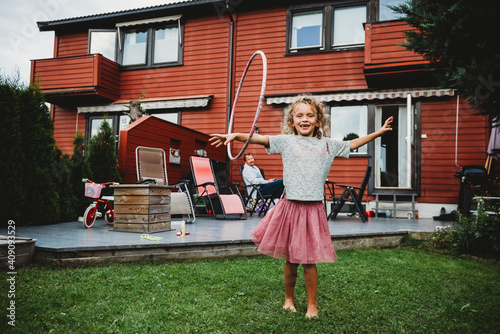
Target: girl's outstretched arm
<point x="355" y="143"/>
<point x="218" y="139"/>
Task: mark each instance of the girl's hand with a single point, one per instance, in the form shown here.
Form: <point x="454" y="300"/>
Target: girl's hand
<point x="218" y="139"/>
<point x="387" y="125"/>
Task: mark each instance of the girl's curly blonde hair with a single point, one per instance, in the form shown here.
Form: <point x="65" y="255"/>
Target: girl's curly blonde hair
<point x="316" y="106"/>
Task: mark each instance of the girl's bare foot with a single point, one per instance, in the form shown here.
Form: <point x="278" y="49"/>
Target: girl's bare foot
<point x="312" y="311"/>
<point x="289" y="305"/>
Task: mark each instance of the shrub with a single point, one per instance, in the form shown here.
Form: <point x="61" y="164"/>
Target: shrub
<point x="443" y="237"/>
<point x="477" y="235"/>
<point x="29" y="192"/>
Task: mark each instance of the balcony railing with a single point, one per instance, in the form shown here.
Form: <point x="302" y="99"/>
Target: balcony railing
<point x="71" y="80"/>
<point x="386" y="62"/>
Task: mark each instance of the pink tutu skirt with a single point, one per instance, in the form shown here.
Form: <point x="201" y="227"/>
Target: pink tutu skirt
<point x="295" y="231"/>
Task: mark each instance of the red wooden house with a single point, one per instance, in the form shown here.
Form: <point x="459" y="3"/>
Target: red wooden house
<point x="183" y="62"/>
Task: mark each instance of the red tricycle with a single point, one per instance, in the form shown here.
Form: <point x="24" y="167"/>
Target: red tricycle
<point x="93" y="190"/>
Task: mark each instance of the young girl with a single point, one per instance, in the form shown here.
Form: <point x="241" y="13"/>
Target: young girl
<point x="296" y="230"/>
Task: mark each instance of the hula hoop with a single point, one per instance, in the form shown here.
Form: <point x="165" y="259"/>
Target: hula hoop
<point x="259" y="106"/>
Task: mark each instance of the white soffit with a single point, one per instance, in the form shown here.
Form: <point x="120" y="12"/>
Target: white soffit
<point x="174" y="103"/>
<point x="367" y="95"/>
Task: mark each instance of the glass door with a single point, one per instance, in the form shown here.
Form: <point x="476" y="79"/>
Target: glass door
<point x="394" y="150"/>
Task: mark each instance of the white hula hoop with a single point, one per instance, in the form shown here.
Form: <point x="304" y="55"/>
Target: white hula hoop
<point x="259" y="106"/>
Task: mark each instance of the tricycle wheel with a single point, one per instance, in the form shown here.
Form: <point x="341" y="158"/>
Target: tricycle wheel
<point x="109" y="217"/>
<point x="90" y="216"/>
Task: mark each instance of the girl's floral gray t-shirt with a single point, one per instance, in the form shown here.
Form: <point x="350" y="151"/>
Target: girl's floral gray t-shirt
<point x="306" y="163"/>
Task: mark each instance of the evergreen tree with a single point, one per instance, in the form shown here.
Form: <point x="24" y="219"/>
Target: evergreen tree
<point x="79" y="169"/>
<point x="459" y="38"/>
<point x="66" y="198"/>
<point x="12" y="195"/>
<point x="27" y="151"/>
<point x="101" y="156"/>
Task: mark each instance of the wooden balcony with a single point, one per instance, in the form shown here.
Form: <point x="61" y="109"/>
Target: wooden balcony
<point x="387" y="64"/>
<point x="77" y="80"/>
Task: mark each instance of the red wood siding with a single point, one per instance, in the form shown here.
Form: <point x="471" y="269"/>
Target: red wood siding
<point x="72" y="45"/>
<point x="204" y="72"/>
<point x="381" y="44"/>
<point x="438" y="149"/>
<point x="155" y="132"/>
<point x="65" y="127"/>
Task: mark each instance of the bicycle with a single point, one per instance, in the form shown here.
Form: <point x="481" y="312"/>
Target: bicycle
<point x="93" y="190"/>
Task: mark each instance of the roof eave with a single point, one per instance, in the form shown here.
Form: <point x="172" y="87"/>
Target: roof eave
<point x="117" y="16"/>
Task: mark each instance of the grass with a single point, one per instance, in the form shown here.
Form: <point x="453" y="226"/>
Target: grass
<point x="400" y="290"/>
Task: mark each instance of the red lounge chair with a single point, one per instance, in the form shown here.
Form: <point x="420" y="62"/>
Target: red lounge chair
<point x="227" y="205"/>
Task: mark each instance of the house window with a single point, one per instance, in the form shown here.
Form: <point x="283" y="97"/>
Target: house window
<point x="350" y="122"/>
<point x="307" y="29"/>
<point x="116" y="122"/>
<point x="135" y="47"/>
<point x="387" y="14"/>
<point x="328" y="28"/>
<point x="96" y="123"/>
<point x="150" y="43"/>
<point x="348" y="26"/>
<point x="166" y="41"/>
<point x="103" y="42"/>
<point x="173" y="117"/>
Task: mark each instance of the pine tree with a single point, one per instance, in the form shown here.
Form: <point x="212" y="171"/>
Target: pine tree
<point x="101" y="157"/>
<point x="79" y="169"/>
<point x="459" y="38"/>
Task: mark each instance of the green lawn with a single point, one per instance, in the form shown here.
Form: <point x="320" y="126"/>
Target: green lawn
<point x="400" y="290"/>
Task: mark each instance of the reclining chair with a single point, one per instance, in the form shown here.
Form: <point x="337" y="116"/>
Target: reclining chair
<point x="351" y="194"/>
<point x="228" y="205"/>
<point x="151" y="166"/>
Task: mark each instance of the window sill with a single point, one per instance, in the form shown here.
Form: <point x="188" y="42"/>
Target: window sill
<point x="147" y="67"/>
<point x="297" y="52"/>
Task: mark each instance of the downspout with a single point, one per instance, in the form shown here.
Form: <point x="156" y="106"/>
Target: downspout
<point x="456" y="132"/>
<point x="230" y="79"/>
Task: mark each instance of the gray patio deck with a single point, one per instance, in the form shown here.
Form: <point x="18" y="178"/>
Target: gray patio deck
<point x="71" y="243"/>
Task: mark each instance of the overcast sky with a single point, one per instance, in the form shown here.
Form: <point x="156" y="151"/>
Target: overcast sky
<point x="20" y="39"/>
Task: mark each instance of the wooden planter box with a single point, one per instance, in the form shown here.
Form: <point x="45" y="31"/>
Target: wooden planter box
<point x="24" y="252"/>
<point x="142" y="208"/>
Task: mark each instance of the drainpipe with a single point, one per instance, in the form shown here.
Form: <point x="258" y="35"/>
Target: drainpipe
<point x="230" y="79"/>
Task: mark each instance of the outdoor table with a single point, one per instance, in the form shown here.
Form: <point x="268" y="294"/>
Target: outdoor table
<point x="142" y="208"/>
